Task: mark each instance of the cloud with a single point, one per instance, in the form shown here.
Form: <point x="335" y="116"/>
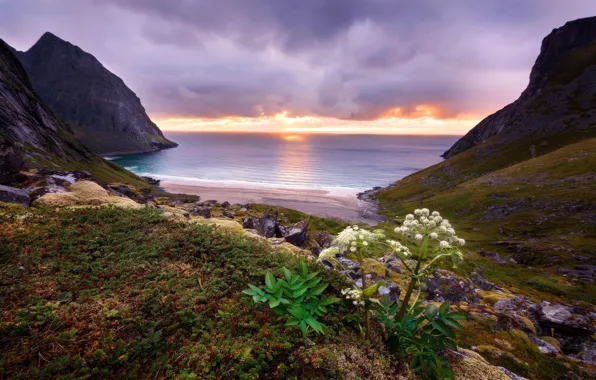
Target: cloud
<point x="347" y="59"/>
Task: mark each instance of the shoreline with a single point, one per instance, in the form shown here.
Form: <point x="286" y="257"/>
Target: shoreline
<point x="341" y="204"/>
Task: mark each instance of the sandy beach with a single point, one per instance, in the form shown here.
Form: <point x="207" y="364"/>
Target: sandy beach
<point x="332" y="203"/>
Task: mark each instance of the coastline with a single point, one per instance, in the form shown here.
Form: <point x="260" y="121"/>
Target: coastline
<point x="323" y="202"/>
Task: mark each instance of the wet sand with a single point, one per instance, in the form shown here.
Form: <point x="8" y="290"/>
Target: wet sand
<point x="331" y="203"/>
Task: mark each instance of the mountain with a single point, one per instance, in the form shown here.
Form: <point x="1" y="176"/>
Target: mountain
<point x="31" y="134"/>
<point x="560" y="97"/>
<point x="103" y="112"/>
<point x="522" y="183"/>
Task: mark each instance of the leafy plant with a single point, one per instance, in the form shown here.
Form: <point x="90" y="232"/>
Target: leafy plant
<point x="422" y="333"/>
<point x="296" y="296"/>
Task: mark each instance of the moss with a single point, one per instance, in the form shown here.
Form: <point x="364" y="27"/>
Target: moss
<point x="492" y="297"/>
<point x="84" y="193"/>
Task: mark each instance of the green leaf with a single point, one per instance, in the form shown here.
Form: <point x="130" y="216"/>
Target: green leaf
<point x="256" y="290"/>
<point x="299" y="292"/>
<point x="270" y="280"/>
<point x="431" y="311"/>
<point x="315" y="325"/>
<point x="297" y="285"/>
<point x="287" y="273"/>
<point x="329" y="301"/>
<point x="443" y="329"/>
<point x="371" y="290"/>
<point x="304" y="268"/>
<point x="292" y="322"/>
<point x="311" y="275"/>
<point x="318" y="289"/>
<point x="444" y="308"/>
<point x="274" y="302"/>
<point x="453" y="324"/>
<point x="313" y="282"/>
<point x="457" y="316"/>
<point x="303" y="327"/>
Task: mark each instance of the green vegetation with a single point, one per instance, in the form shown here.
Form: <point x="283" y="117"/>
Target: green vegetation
<point x="104" y="293"/>
<point x="537" y="212"/>
<point x="423" y="333"/>
<point x="296" y="298"/>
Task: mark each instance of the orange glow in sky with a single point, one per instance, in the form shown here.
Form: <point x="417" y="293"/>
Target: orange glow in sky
<point x="420" y="120"/>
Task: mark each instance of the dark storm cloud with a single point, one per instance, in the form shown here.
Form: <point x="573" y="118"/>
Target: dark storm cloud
<point x="338" y="58"/>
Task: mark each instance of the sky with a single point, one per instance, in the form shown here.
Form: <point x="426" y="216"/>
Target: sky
<point x="333" y="66"/>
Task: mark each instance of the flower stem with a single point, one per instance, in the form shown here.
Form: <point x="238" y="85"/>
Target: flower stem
<point x="366" y="305"/>
<point x="414" y="282"/>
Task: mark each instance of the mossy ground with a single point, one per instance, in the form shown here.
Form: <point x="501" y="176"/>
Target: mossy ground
<point x="107" y="293"/>
<point x="539" y="212"/>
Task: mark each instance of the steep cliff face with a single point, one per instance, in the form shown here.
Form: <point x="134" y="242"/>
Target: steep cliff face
<point x="560" y="97"/>
<point x="104" y="113"/>
<point x="32" y="136"/>
<point x="24" y="119"/>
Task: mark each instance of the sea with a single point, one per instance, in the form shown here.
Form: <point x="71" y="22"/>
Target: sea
<point x="329" y="161"/>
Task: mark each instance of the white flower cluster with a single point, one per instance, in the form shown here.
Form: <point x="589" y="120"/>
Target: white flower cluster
<point x="353" y="294"/>
<point x="399" y="248"/>
<point x="352" y="238"/>
<point x="423" y="222"/>
<point x="328" y="254"/>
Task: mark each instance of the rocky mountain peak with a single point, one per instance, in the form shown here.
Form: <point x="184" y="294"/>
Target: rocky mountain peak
<point x="558" y="100"/>
<point x="104" y="113"/>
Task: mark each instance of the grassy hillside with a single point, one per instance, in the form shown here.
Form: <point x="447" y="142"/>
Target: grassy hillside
<point x="540" y="212"/>
<point x="110" y="293"/>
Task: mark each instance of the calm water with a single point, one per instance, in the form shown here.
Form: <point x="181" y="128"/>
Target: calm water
<point x="302" y="161"/>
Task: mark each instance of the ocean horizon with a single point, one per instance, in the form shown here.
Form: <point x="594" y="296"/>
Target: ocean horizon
<point x="338" y="163"/>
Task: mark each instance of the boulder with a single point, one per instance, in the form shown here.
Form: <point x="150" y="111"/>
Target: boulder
<point x="227" y="214"/>
<point x="151" y="181"/>
<point x="571" y="326"/>
<point x="480" y="282"/>
<point x="494" y="256"/>
<point x="204" y="212"/>
<point x="226" y="204"/>
<point x="391" y="290"/>
<point x="13" y="195"/>
<point x="298" y="233"/>
<point x="348" y="264"/>
<point x="248" y="223"/>
<point x="11" y="160"/>
<point x="391" y="263"/>
<point x="84" y="193"/>
<point x="267" y="225"/>
<point x="513" y="314"/>
<point x="544" y="346"/>
<point x="589" y="356"/>
<point x="445" y="285"/>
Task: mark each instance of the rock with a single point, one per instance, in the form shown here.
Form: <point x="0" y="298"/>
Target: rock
<point x="84" y="193"/>
<point x="11" y="161"/>
<point x="510" y="374"/>
<point x="327" y="263"/>
<point x="391" y="290"/>
<point x="103" y="112"/>
<point x="298" y="233"/>
<point x="267" y="225"/>
<point x="243" y="209"/>
<point x="348" y="264"/>
<point x="589" y="356"/>
<point x="391" y="263"/>
<point x="14" y="195"/>
<point x="210" y="203"/>
<point x="205" y="212"/>
<point x="494" y="256"/>
<point x="151" y="181"/>
<point x="544" y="347"/>
<point x="580" y="272"/>
<point x="320" y="241"/>
<point x="227" y="214"/>
<point x="226" y="204"/>
<point x="512" y="314"/>
<point x="480" y="282"/>
<point x="572" y="326"/>
<point x="351" y="274"/>
<point x="248" y="223"/>
<point x="446" y="285"/>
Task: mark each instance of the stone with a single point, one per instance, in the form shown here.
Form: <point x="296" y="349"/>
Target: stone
<point x="151" y="181"/>
<point x="85" y="193"/>
<point x="248" y="223"/>
<point x="320" y="241"/>
<point x="512" y="314"/>
<point x="267" y="225"/>
<point x="205" y="212"/>
<point x="494" y="256"/>
<point x="226" y="204"/>
<point x="544" y="347"/>
<point x="348" y="264"/>
<point x="13" y="195"/>
<point x="444" y="284"/>
<point x="391" y="263"/>
<point x="589" y="356"/>
<point x="391" y="290"/>
<point x="483" y="284"/>
<point x="298" y="233"/>
<point x="227" y="214"/>
<point x="11" y="161"/>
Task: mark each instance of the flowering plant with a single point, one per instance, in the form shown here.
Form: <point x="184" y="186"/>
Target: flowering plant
<point x="438" y="240"/>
